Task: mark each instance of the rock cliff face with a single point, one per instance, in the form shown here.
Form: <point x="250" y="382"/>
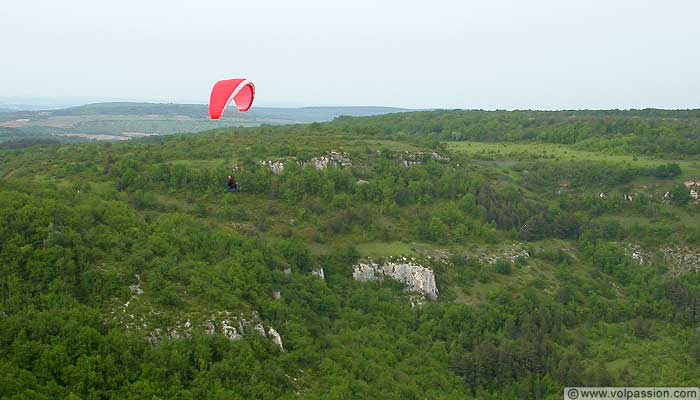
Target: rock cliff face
<point x="416" y="277"/>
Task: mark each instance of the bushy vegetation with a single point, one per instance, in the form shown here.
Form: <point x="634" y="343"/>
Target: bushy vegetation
<point x="659" y="132"/>
<point x="81" y="222"/>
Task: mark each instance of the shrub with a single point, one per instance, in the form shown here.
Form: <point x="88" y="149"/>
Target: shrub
<point x="504" y="267"/>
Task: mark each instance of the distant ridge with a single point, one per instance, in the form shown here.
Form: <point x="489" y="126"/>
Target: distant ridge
<point x="300" y="114"/>
<point x="124" y="120"/>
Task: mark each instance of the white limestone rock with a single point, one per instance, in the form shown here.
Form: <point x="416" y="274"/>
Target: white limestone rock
<point x="229" y="331"/>
<point x="275" y="337"/>
<point x="319" y="273"/>
<point x="276" y="166"/>
<point x="209" y="327"/>
<point x="331" y="159"/>
<point x="440" y="158"/>
<point x="365" y="272"/>
<point x="136" y="288"/>
<point x="416" y="277"/>
<point x="135" y="291"/>
<point x="224" y="323"/>
<point x="683" y="260"/>
<point x="260" y="329"/>
<point x="512" y="253"/>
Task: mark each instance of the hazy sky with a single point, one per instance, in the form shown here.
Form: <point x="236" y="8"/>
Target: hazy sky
<point x="541" y="54"/>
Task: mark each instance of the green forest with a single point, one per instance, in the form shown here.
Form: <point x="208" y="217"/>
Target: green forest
<point x="565" y="248"/>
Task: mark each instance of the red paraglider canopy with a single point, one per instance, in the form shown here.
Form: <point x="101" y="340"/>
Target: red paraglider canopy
<point x="241" y="91"/>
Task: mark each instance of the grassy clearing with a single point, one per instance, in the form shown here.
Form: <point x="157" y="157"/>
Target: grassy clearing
<point x="514" y="151"/>
<point x="202" y="164"/>
<point x="388" y="249"/>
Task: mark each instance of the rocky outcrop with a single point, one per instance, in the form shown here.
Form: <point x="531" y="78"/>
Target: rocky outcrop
<point x="223" y="323"/>
<point x="331" y="159"/>
<point x="319" y="273"/>
<point x="512" y="254"/>
<point x="135" y="291"/>
<point x="276" y="166"/>
<point x="416" y="277"/>
<point x="683" y="260"/>
<point x="408" y="159"/>
<point x="694" y="187"/>
<point x="275" y="337"/>
<point x="136" y="288"/>
<point x="636" y="253"/>
<point x="437" y="157"/>
<point x="230" y="332"/>
<point x="680" y="260"/>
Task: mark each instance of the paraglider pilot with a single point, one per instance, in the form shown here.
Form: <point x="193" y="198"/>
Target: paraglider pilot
<point x="231" y="183"/>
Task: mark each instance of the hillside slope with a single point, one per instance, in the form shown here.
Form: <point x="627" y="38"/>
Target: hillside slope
<point x="358" y="260"/>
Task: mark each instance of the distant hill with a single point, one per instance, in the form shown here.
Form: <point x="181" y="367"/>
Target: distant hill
<point x="302" y="114"/>
<point x="124" y="120"/>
